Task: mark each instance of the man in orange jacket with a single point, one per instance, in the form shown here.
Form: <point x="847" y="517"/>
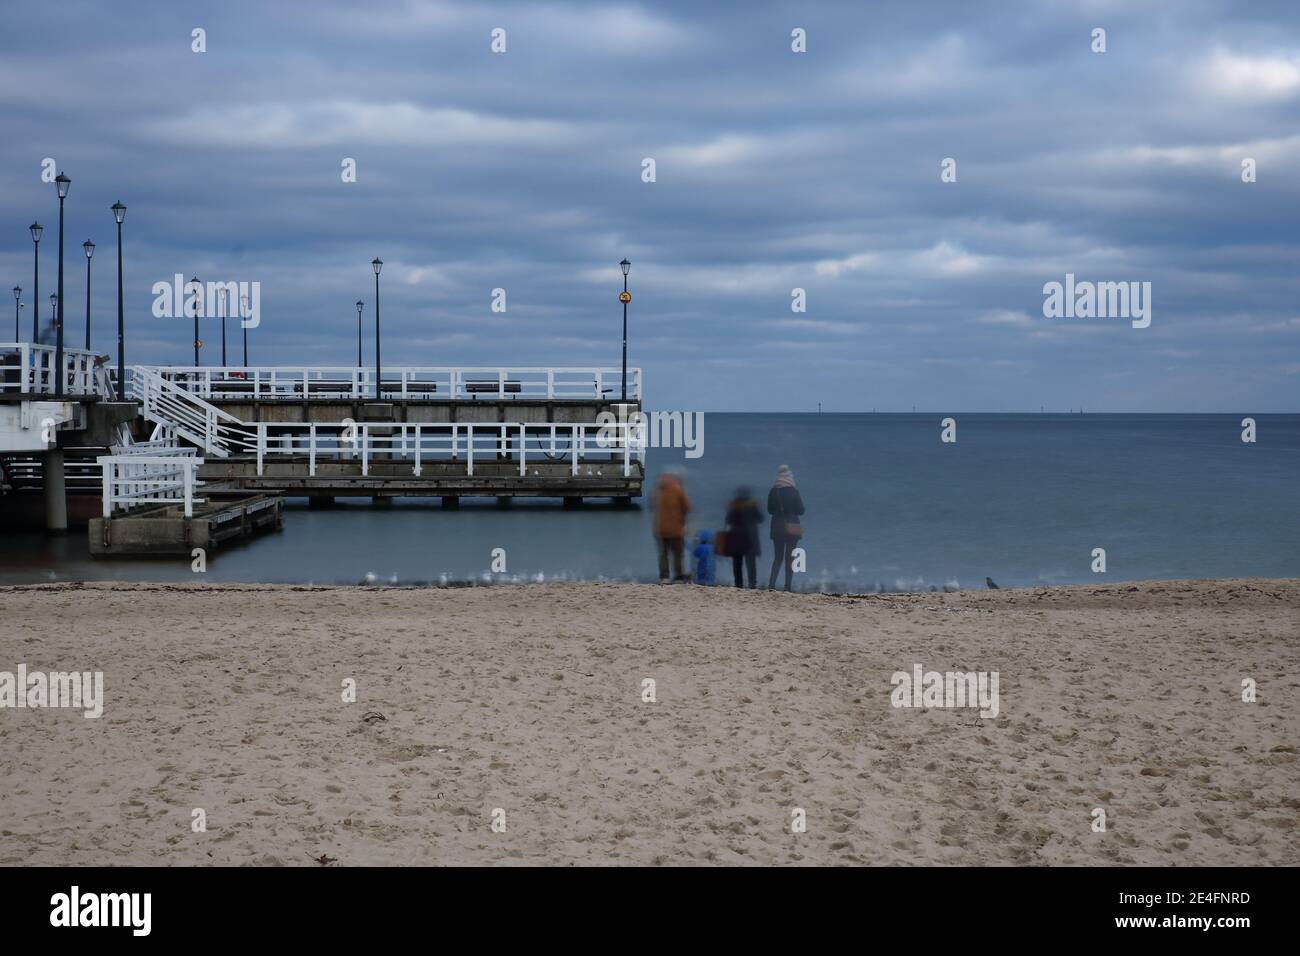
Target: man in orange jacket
<point x="670" y="506"/>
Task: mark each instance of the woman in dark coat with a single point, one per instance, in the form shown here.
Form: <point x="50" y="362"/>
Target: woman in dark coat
<point x="785" y="506"/>
<point x="743" y="519"/>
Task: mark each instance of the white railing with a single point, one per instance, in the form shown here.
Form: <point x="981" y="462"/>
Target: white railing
<point x="583" y="445"/>
<point x="30" y="369"/>
<point x="266" y="383"/>
<point x="166" y="403"/>
<point x="133" y="480"/>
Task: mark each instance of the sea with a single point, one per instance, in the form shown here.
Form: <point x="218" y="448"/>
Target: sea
<point x="1021" y="499"/>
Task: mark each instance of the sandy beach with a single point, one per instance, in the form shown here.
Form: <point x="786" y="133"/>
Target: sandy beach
<point x="530" y="700"/>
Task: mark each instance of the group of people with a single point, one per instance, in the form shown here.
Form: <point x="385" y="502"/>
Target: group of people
<point x="740" y="540"/>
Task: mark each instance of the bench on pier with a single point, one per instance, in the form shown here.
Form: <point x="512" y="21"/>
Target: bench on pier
<point x="493" y="386"/>
<point x="416" y="388"/>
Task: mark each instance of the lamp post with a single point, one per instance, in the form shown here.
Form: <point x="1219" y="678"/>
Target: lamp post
<point x="36" y="229"/>
<point x="54" y="307"/>
<point x="194" y="281"/>
<point x="18" y="305"/>
<point x="360" y="305"/>
<point x="625" y="297"/>
<point x="243" y="321"/>
<point x="119" y="213"/>
<point x="89" y="247"/>
<point x="61" y="182"/>
<point x="377" y="264"/>
<point x="223" y="328"/>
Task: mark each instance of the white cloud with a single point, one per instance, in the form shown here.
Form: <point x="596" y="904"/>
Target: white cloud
<point x="723" y="151"/>
<point x="1241" y="75"/>
<point x="352" y="124"/>
<point x="1004" y="317"/>
<point x="837" y="267"/>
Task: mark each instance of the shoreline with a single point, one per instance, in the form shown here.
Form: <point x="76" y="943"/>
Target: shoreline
<point x="1127" y="585"/>
<point x="227" y="698"/>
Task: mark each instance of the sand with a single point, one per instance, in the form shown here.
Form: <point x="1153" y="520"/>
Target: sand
<point x="529" y="699"/>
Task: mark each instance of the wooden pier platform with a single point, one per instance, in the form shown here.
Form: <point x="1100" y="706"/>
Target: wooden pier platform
<point x="162" y="530"/>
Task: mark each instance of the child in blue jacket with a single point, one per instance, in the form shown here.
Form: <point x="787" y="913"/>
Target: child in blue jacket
<point x="705" y="562"/>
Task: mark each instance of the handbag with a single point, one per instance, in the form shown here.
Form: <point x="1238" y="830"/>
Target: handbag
<point x="720" y="544"/>
<point x="793" y="529"/>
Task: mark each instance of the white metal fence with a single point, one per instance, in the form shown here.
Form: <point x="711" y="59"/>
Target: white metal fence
<point x="220" y="434"/>
<point x="30" y="369"/>
<point x="136" y="479"/>
<point x="269" y="383"/>
<point x="582" y="445"/>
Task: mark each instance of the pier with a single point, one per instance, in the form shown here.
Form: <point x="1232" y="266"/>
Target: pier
<point x="437" y="432"/>
<point x="248" y="435"/>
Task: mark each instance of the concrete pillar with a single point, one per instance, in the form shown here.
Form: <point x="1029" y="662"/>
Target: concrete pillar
<point x="56" y="497"/>
<point x="450" y="502"/>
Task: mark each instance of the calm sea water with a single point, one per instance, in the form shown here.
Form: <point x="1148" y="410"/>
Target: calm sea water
<point x="1023" y="499"/>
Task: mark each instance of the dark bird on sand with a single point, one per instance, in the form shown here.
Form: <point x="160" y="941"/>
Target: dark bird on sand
<point x="989" y="582"/>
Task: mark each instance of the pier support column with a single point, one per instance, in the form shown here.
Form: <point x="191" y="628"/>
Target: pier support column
<point x="450" y="502"/>
<point x="503" y="501"/>
<point x="570" y="503"/>
<point x="56" y="496"/>
<point x="381" y="501"/>
<point x="320" y="501"/>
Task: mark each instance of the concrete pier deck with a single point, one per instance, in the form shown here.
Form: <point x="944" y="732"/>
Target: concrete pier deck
<point x="161" y="530"/>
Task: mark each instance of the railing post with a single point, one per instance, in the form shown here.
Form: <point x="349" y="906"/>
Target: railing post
<point x="189" y="489"/>
<point x="108" y="467"/>
<point x="573" y="444"/>
<point x="455" y="452"/>
<point x="261" y="446"/>
<point x="417" y="451"/>
<point x="469" y="449"/>
<point x="311" y="453"/>
<point x="365" y="450"/>
<point x="550" y="383"/>
<point x="522" y="436"/>
<point x="627" y="450"/>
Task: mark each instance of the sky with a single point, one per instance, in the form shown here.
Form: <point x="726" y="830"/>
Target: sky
<point x="774" y="170"/>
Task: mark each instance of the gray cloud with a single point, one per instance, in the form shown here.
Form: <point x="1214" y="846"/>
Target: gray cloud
<point x="775" y="171"/>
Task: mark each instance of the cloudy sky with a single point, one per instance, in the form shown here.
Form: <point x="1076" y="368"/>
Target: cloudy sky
<point x="775" y="170"/>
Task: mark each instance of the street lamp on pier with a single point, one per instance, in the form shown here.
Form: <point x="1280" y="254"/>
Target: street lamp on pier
<point x="243" y="321"/>
<point x="89" y="247"/>
<point x="223" y="328"/>
<point x="360" y="305"/>
<point x="36" y="229"/>
<point x="625" y="297"/>
<point x="377" y="264"/>
<point x="119" y="214"/>
<point x="198" y="292"/>
<point x="62" y="183"/>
